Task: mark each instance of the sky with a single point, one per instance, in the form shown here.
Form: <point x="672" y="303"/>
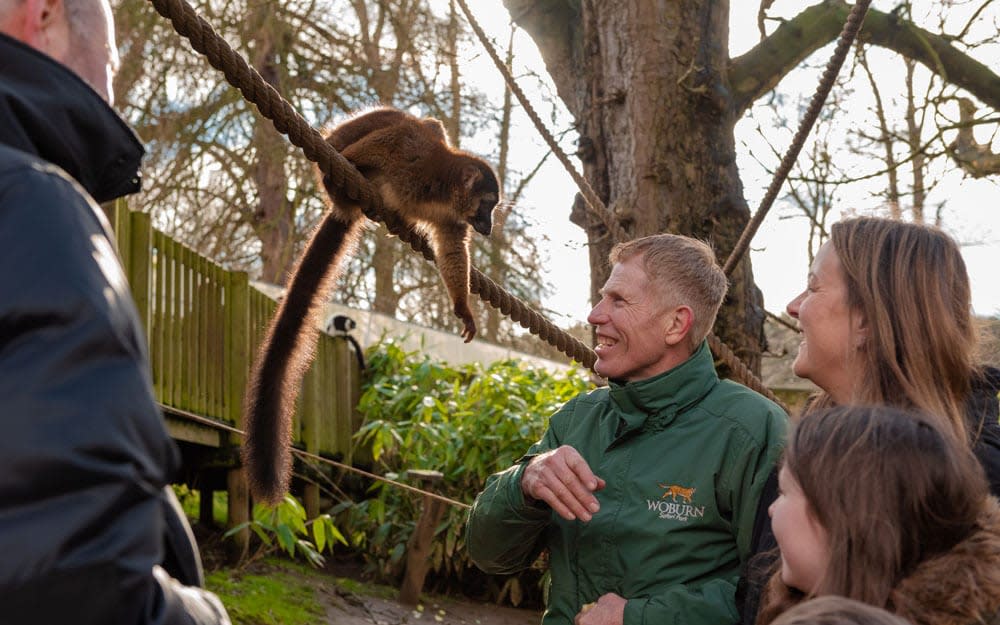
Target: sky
<point x="970" y="208"/>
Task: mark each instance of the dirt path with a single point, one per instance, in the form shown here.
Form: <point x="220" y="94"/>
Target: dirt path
<point x="347" y="608"/>
<point x="342" y="595"/>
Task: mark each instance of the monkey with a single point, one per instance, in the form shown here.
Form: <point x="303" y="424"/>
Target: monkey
<point x="431" y="186"/>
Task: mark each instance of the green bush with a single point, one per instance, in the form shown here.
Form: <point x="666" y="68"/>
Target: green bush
<point x="286" y="527"/>
<point x="466" y="422"/>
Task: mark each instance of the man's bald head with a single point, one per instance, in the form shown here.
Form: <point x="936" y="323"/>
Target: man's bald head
<point x="77" y="33"/>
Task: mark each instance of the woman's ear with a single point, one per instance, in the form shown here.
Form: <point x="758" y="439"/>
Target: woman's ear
<point x="859" y="330"/>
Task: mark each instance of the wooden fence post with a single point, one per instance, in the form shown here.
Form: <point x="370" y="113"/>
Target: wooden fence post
<point x="310" y="411"/>
<point x="418" y="549"/>
<point x="237" y="357"/>
<point x="139" y="261"/>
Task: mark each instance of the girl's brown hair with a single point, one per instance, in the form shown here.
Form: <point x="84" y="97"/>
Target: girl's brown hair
<point x="890" y="488"/>
<point x="909" y="283"/>
<point x="833" y="610"/>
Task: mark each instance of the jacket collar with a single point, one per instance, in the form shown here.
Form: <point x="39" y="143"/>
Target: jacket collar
<point x="959" y="587"/>
<point x="662" y="397"/>
<point x="46" y="110"/>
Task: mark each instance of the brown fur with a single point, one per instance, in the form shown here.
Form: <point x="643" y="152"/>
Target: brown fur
<point x="429" y="185"/>
<point x="960" y="587"/>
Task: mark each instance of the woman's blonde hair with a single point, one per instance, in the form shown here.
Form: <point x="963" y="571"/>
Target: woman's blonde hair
<point x="909" y="283"/>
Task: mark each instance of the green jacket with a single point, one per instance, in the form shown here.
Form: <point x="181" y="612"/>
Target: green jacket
<point x="685" y="456"/>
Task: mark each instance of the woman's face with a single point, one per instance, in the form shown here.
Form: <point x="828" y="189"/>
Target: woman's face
<point x="830" y="333"/>
<point x="804" y="544"/>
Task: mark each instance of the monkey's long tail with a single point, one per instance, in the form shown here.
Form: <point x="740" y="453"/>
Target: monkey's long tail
<point x="285" y="355"/>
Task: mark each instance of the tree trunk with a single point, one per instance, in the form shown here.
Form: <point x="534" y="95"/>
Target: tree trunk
<point x="647" y="85"/>
<point x="384" y="259"/>
<point x="273" y="217"/>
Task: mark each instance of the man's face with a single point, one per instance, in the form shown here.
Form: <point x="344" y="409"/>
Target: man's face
<point x="631" y="322"/>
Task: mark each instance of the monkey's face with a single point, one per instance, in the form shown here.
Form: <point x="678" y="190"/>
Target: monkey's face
<point x="484" y="196"/>
<point x="482" y="219"/>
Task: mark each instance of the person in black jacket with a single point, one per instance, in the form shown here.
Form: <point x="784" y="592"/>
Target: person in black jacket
<point x="90" y="532"/>
<point x="886" y="319"/>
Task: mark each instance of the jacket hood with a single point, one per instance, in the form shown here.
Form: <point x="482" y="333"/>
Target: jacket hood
<point x="960" y="587"/>
<point x="48" y="111"/>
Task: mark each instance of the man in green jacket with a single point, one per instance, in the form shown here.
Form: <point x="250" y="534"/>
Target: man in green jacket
<point x="644" y="492"/>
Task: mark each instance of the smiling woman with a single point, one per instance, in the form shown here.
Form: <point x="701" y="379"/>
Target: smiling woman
<point x="887" y="319"/>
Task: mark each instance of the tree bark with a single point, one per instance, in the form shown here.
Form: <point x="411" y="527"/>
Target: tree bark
<point x="648" y="87"/>
<point x="759" y="70"/>
<point x="273" y="217"/>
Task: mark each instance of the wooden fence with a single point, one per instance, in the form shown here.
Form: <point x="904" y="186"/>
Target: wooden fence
<point x="204" y="324"/>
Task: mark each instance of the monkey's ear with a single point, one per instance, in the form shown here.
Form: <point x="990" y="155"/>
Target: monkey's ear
<point x="471" y="177"/>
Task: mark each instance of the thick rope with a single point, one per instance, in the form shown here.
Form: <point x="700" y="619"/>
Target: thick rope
<point x="740" y="370"/>
<point x="593" y="202"/>
<point x="722" y="351"/>
<point x="333" y="463"/>
<point x="343" y="175"/>
<point x="847" y="36"/>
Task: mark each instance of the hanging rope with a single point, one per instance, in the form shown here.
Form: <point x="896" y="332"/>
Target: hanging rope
<point x="722" y="351"/>
<point x="333" y="463"/>
<point x="343" y="175"/>
<point x="847" y="36"/>
<point x="593" y="202"/>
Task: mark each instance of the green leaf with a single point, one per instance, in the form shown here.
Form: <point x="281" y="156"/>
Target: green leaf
<point x="319" y="534"/>
<point x="286" y="539"/>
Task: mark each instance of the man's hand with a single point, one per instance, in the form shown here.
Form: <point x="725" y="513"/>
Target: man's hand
<point x="562" y="479"/>
<point x="609" y="610"/>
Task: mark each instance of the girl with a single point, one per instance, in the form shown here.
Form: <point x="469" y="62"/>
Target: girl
<point x="881" y="506"/>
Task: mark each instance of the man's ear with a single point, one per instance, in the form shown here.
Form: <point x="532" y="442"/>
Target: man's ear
<point x="41" y="24"/>
<point x="678" y="324"/>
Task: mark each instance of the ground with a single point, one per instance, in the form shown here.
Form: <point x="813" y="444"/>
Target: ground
<point x="352" y="609"/>
<point x="275" y="590"/>
<point x="376" y="605"/>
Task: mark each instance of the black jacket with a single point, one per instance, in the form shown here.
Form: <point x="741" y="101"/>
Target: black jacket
<point x="86" y="516"/>
<point x="982" y="412"/>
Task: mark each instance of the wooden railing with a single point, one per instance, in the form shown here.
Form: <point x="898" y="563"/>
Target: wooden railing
<point x="204" y="324"/>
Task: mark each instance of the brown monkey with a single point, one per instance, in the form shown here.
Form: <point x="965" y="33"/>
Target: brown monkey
<point x="429" y="185"/>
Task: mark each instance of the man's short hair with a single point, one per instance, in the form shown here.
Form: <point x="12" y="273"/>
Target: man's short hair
<point x="83" y="17"/>
<point x="686" y="273"/>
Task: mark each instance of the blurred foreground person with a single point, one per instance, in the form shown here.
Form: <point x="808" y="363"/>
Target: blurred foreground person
<point x="90" y="532"/>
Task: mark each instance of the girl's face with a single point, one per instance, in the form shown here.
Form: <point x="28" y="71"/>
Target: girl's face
<point x="804" y="545"/>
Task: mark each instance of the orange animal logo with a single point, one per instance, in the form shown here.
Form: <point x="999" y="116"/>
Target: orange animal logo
<point x="674" y="490"/>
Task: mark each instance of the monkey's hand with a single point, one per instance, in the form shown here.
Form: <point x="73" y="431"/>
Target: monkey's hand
<point x="465" y="314"/>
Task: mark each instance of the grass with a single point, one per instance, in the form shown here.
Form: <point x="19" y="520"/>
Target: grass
<point x="190" y="501"/>
<point x="279" y="596"/>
